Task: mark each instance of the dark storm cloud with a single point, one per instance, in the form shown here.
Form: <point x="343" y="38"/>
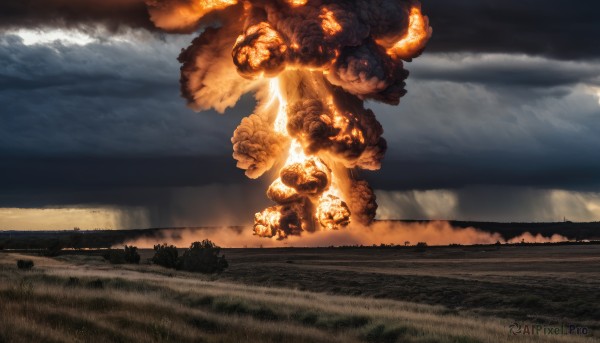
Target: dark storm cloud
<point x="453" y="133"/>
<point x="102" y="124"/>
<point x="55" y="65"/>
<point x="505" y="70"/>
<point x="99" y="172"/>
<point x="104" y="98"/>
<point x="491" y="203"/>
<point x="552" y="28"/>
<point x="495" y="169"/>
<point x="114" y="14"/>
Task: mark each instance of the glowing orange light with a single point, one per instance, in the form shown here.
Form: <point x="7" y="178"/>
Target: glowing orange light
<point x="179" y="15"/>
<point x="416" y="37"/>
<point x="266" y="221"/>
<point x="256" y="55"/>
<point x="296" y="3"/>
<point x="347" y="133"/>
<point x="332" y="211"/>
<point x="281" y="193"/>
<point x="329" y="23"/>
<point x="275" y="95"/>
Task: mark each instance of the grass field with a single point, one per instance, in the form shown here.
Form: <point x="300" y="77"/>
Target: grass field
<point x="450" y="294"/>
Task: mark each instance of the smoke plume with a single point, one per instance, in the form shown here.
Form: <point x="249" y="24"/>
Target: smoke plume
<point x="311" y="65"/>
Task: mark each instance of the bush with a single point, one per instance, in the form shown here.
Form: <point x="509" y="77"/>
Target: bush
<point x="165" y="255"/>
<point x="132" y="255"/>
<point x="421" y="247"/>
<point x="25" y="264"/>
<point x="203" y="257"/>
<point x="129" y="255"/>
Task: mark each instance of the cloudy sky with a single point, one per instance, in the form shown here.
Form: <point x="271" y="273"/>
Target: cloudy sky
<point x="501" y="122"/>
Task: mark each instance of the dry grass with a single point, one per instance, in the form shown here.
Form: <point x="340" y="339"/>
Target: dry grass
<point x="83" y="299"/>
<point x="547" y="285"/>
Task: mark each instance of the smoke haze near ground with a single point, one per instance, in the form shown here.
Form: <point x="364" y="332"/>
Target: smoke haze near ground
<point x="397" y="233"/>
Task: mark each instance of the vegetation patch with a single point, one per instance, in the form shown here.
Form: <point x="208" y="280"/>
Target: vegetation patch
<point x="25" y="264"/>
<point x="200" y="257"/>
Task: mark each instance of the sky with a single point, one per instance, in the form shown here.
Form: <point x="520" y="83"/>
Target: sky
<point x="500" y="122"/>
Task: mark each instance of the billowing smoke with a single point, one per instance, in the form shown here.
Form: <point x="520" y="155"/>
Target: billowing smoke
<point x="256" y="146"/>
<point x="379" y="232"/>
<point x="219" y="86"/>
<point x="527" y="237"/>
<point x="311" y="65"/>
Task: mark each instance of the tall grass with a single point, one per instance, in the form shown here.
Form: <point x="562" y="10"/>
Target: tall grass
<point x="58" y="302"/>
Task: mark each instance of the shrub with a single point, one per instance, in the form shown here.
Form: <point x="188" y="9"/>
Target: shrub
<point x="132" y="255"/>
<point x="128" y="255"/>
<point x="25" y="264"/>
<point x="421" y="247"/>
<point x="203" y="257"/>
<point x="165" y="255"/>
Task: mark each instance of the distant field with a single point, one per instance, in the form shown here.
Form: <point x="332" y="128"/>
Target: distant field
<point x="451" y="294"/>
<point x="547" y="284"/>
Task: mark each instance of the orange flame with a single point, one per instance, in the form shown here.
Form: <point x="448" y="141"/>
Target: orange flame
<point x="178" y="15"/>
<point x="302" y="178"/>
<point x="281" y="193"/>
<point x="347" y="133"/>
<point x="276" y="95"/>
<point x="329" y="23"/>
<point x="266" y="45"/>
<point x="265" y="221"/>
<point x="415" y="39"/>
<point x="296" y="3"/>
<point x="332" y="211"/>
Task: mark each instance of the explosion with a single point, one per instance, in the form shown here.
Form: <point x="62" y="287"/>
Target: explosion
<point x="311" y="65"/>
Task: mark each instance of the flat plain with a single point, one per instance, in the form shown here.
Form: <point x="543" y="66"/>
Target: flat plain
<point x="400" y="294"/>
